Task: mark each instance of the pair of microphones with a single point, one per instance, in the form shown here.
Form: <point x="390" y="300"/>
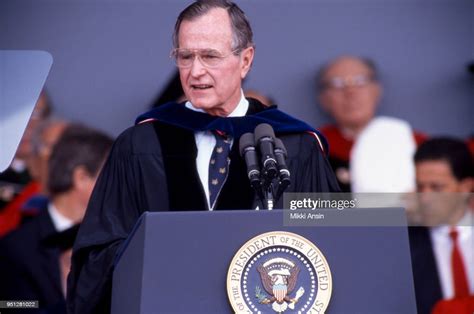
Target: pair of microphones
<point x="265" y="158"/>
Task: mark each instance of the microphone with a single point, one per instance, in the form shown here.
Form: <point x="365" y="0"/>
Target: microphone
<point x="248" y="152"/>
<point x="281" y="154"/>
<point x="264" y="137"/>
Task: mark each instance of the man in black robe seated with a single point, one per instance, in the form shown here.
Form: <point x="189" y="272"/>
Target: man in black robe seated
<point x="164" y="162"/>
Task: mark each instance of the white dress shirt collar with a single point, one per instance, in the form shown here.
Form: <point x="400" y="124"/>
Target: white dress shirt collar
<point x="442" y="249"/>
<point x="60" y="221"/>
<point x="466" y="221"/>
<point x="239" y="111"/>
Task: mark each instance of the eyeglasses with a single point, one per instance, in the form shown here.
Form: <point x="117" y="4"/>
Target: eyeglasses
<point x="210" y="58"/>
<point x="338" y="83"/>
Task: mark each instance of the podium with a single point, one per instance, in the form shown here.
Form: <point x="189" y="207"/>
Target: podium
<point x="177" y="262"/>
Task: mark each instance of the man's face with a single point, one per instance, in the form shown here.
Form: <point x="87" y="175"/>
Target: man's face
<point x="441" y="197"/>
<point x="216" y="90"/>
<point x="350" y="95"/>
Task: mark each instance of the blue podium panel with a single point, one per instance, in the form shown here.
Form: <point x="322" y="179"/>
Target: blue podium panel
<point x="177" y="262"/>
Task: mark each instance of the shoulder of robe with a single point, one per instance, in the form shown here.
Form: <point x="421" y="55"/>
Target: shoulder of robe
<point x="138" y="139"/>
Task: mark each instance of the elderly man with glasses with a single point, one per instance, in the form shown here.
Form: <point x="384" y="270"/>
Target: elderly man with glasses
<point x="166" y="161"/>
<point x="349" y="90"/>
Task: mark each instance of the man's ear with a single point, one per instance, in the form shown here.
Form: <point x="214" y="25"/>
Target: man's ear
<point x="80" y="178"/>
<point x="378" y="90"/>
<point x="467" y="185"/>
<point x="247" y="59"/>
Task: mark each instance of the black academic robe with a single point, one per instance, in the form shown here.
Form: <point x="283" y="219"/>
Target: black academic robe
<point x="152" y="167"/>
<point x="29" y="268"/>
<point x="425" y="272"/>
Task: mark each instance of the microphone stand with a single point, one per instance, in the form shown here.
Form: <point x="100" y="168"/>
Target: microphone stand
<point x="282" y="185"/>
<point x="268" y="199"/>
<point x="257" y="186"/>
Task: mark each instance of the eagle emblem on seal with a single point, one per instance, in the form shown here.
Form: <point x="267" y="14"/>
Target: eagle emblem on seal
<point x="279" y="277"/>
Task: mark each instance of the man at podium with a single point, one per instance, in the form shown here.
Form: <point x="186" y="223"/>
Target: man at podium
<point x="182" y="157"/>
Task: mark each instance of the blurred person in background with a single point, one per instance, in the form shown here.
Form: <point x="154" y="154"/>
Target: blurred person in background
<point x="17" y="176"/>
<point x="349" y="90"/>
<point x="42" y="142"/>
<point x="32" y="198"/>
<point x="35" y="259"/>
<point x="17" y="183"/>
<point x="442" y="250"/>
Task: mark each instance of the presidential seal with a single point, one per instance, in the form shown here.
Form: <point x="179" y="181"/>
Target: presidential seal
<point x="279" y="272"/>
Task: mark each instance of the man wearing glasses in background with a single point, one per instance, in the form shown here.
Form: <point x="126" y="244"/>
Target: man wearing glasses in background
<point x="349" y="90"/>
<point x="164" y="162"/>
